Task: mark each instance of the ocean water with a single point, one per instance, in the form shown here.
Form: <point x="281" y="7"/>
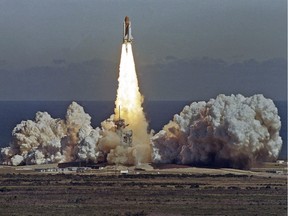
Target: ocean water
<point x="158" y="113"/>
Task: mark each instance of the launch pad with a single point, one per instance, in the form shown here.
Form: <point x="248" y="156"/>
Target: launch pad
<point x="121" y="130"/>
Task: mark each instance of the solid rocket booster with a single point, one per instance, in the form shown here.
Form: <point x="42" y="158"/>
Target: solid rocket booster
<point x="127" y="36"/>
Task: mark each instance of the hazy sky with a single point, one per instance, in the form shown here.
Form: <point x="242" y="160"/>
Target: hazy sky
<point x="184" y="49"/>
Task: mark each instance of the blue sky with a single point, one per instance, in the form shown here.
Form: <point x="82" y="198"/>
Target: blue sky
<point x="184" y="50"/>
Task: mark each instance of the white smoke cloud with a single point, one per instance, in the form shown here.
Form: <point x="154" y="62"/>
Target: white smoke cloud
<point x="88" y="148"/>
<point x="48" y="140"/>
<point x="34" y="141"/>
<point x="78" y="126"/>
<point x="230" y="131"/>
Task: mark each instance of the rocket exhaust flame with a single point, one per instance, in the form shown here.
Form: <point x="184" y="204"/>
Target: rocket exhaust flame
<point x="128" y="95"/>
<point x="130" y="101"/>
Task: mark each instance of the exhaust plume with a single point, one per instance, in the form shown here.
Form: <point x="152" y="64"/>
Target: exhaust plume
<point x="128" y="106"/>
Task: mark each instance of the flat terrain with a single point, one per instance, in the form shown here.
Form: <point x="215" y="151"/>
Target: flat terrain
<point x="158" y="191"/>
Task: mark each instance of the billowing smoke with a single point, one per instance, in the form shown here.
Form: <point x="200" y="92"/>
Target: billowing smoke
<point x="229" y="131"/>
<point x="48" y="140"/>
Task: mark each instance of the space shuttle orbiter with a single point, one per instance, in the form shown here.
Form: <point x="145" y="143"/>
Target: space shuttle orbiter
<point x="127" y="36"/>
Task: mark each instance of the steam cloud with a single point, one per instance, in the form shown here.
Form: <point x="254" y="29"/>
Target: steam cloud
<point x="229" y="131"/>
<point x="48" y="140"/>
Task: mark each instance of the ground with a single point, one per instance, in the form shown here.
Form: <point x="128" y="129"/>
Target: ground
<point x="164" y="190"/>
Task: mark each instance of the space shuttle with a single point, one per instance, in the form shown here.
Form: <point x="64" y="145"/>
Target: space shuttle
<point x="127" y="36"/>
